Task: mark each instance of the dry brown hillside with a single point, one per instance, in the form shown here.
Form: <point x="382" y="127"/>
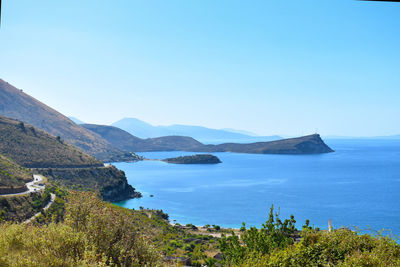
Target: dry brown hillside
<point x="14" y="103"/>
<point x="34" y="148"/>
<point x="124" y="140"/>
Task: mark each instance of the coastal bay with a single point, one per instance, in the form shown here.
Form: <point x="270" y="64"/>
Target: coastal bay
<point x="356" y="185"/>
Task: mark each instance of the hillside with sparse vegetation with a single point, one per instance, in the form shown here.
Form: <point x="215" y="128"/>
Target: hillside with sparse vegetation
<point x="34" y="148"/>
<point x="110" y="182"/>
<point x="16" y="104"/>
<point x="126" y="141"/>
<point x="61" y="162"/>
<point x="12" y="174"/>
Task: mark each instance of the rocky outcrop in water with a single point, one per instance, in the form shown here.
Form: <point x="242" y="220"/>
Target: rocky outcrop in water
<point x="195" y="159"/>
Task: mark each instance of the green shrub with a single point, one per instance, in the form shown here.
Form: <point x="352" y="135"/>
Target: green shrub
<point x="273" y="245"/>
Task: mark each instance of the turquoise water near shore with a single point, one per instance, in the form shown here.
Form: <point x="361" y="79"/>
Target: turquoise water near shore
<point x="359" y="185"/>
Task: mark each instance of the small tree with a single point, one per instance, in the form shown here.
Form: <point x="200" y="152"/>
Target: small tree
<point x="274" y="234"/>
<point x="307" y="226"/>
<point x="21" y="125"/>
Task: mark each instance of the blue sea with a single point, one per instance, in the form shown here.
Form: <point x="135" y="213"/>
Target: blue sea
<point x="357" y="185"/>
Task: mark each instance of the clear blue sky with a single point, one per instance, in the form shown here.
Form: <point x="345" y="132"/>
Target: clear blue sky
<point x="272" y="67"/>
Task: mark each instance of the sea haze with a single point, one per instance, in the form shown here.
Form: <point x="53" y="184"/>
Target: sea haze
<point x="359" y="184"/>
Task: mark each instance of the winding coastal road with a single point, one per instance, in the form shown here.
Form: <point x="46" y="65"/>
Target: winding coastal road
<point x="33" y="186"/>
<point x="52" y="198"/>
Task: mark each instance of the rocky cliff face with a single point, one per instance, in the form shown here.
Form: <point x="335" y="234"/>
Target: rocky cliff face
<point x="120" y="192"/>
<point x="110" y="182"/>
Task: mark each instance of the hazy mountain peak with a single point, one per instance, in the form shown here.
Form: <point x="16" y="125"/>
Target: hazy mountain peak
<point x="132" y="120"/>
<point x="203" y="134"/>
<point x="239" y="131"/>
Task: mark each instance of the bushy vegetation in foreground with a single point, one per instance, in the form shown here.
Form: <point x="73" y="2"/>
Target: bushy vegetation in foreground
<point x="81" y="230"/>
<point x="93" y="233"/>
<point x="273" y="245"/>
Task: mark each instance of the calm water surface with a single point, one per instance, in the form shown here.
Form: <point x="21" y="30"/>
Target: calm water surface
<point x="359" y="185"/>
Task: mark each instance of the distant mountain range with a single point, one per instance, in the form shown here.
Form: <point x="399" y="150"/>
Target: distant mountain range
<point x="15" y="104"/>
<point x="240" y="132"/>
<point x="121" y="139"/>
<point x="145" y="130"/>
<point x="127" y="142"/>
